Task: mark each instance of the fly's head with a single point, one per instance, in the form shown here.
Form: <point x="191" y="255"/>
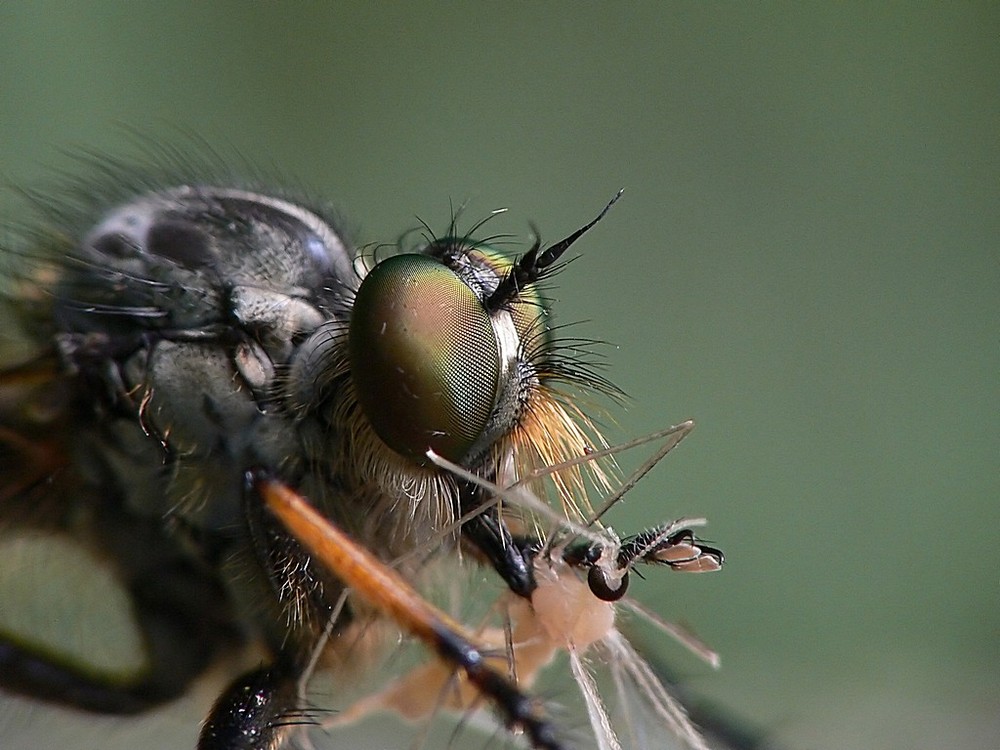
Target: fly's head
<point x="448" y="350"/>
<point x="223" y="328"/>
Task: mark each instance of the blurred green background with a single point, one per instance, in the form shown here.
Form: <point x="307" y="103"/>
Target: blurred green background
<point x="806" y="260"/>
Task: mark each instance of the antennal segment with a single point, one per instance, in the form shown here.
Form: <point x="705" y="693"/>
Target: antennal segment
<point x="531" y="266"/>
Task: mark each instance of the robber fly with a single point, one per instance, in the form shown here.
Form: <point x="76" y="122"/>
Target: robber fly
<point x="192" y="352"/>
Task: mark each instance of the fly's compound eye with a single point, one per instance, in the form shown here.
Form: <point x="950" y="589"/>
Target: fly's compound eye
<point x="424" y="357"/>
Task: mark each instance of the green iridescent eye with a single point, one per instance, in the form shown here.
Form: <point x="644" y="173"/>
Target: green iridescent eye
<point x="424" y="357"/>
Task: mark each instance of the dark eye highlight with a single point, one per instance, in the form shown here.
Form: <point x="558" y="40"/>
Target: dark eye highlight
<point x="424" y="357"/>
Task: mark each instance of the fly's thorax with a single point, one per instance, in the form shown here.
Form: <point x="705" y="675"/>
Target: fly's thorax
<point x="182" y="260"/>
<point x="180" y="310"/>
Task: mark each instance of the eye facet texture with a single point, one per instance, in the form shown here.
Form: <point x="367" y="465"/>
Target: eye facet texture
<point x="424" y="357"/>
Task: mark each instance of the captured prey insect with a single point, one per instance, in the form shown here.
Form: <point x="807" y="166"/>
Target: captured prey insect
<point x="580" y="576"/>
<point x="176" y="335"/>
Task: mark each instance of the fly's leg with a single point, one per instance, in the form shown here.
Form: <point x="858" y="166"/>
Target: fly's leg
<point x="254" y="712"/>
<point x="510" y="556"/>
<point x="385" y="590"/>
<point x="258" y="708"/>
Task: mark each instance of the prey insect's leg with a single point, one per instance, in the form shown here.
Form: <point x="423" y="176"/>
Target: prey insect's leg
<point x="386" y="590"/>
<point x="671" y="544"/>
